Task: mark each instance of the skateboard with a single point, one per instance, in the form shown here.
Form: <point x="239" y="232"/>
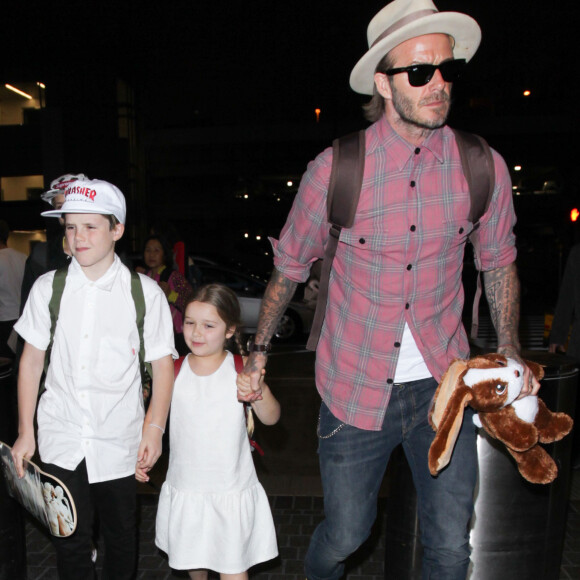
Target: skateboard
<point x="42" y="495"/>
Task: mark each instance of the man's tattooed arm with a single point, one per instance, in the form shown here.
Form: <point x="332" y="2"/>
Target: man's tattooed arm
<point x="502" y="289"/>
<point x="277" y="296"/>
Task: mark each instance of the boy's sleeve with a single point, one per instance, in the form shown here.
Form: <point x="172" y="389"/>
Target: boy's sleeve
<point x="34" y="324"/>
<point x="158" y="326"/>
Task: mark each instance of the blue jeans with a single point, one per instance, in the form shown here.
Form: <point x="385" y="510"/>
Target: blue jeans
<point x="352" y="464"/>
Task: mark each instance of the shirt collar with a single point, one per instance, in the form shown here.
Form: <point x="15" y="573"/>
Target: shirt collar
<point x="400" y="150"/>
<point x="78" y="279"/>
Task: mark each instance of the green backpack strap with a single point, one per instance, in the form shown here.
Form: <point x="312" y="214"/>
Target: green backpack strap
<point x="58" y="284"/>
<point x="139" y="300"/>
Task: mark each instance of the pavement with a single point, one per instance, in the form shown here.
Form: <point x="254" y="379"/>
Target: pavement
<point x="289" y="472"/>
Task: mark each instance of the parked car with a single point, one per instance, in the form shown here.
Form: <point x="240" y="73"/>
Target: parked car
<point x="249" y="289"/>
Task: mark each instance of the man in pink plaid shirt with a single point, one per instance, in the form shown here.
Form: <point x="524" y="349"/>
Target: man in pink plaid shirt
<point x="393" y="319"/>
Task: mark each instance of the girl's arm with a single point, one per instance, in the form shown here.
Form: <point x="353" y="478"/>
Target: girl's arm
<point x="267" y="408"/>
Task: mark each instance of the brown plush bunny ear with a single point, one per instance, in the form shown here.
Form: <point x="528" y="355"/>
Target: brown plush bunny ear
<point x="448" y="428"/>
<point x="446" y="388"/>
<point x="537" y="369"/>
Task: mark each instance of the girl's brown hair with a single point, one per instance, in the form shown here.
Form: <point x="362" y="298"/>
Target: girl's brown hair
<point x="228" y="308"/>
<point x="227" y="305"/>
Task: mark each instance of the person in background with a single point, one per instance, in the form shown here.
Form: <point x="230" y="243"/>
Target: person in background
<point x="11" y="273"/>
<point x="158" y="258"/>
<point x="565" y="323"/>
<point x="54" y="253"/>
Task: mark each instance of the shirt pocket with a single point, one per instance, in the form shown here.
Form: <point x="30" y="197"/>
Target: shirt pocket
<point x="116" y="361"/>
<point x="363" y="239"/>
<point x="454" y="232"/>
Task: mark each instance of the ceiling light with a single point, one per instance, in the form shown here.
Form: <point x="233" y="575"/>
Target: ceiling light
<point x="18" y="92"/>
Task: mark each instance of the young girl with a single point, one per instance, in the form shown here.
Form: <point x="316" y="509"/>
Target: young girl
<point x="213" y="512"/>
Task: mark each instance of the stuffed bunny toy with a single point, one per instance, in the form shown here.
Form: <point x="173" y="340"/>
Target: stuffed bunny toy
<point x="490" y="384"/>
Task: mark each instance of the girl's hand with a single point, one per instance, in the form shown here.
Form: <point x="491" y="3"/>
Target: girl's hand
<point x="250" y="386"/>
<point x="141" y="475"/>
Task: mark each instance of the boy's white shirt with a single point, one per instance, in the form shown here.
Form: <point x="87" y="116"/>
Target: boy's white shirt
<point x="93" y="404"/>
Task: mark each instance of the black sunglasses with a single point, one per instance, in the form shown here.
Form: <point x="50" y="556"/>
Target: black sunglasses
<point x="420" y="74"/>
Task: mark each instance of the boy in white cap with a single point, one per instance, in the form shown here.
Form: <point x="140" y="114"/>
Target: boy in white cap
<point x="393" y="321"/>
<point x="91" y="430"/>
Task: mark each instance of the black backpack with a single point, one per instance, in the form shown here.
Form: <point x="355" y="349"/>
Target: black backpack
<point x="348" y="161"/>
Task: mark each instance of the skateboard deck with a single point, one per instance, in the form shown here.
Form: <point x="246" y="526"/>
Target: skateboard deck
<point x="42" y="495"/>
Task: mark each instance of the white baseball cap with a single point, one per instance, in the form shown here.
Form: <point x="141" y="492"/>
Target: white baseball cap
<point x="59" y="184"/>
<point x="92" y="196"/>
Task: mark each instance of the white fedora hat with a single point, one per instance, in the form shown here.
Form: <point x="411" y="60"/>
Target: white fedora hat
<point x="404" y="19"/>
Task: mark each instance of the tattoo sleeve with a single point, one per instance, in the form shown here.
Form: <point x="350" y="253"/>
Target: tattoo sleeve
<point x="502" y="289"/>
<point x="278" y="294"/>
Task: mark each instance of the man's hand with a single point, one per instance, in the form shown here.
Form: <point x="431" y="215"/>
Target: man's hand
<point x="531" y="385"/>
<point x="23" y="448"/>
<point x="250" y="386"/>
<point x="250" y="381"/>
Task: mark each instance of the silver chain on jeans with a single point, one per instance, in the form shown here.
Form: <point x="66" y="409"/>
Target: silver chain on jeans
<point x="331" y="433"/>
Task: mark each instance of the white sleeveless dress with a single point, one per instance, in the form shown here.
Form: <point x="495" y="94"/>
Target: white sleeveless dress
<point x="213" y="512"/>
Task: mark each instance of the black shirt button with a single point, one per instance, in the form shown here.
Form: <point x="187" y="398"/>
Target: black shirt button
<point x="407" y="306"/>
<point x="362" y="241"/>
<point x="412" y="184"/>
<point x="417" y="150"/>
<point x="409" y="266"/>
<point x="397" y="344"/>
<point x="460" y="230"/>
<point x="412" y="228"/>
<point x="390" y="381"/>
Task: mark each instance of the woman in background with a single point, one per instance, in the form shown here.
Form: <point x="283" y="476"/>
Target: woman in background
<point x="158" y="258"/>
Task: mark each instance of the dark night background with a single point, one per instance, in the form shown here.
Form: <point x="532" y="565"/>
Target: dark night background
<point x="232" y="61"/>
<point x="225" y="93"/>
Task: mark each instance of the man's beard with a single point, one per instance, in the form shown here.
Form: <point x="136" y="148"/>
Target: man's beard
<point x="408" y="111"/>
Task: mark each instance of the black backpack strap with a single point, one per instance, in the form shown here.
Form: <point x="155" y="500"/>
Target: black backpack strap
<point x="479" y="170"/>
<point x="346" y="175"/>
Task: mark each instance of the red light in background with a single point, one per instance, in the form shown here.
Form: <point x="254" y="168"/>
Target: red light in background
<point x="574" y="214"/>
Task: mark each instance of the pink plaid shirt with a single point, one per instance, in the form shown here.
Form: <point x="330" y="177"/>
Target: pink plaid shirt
<point x="400" y="262"/>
